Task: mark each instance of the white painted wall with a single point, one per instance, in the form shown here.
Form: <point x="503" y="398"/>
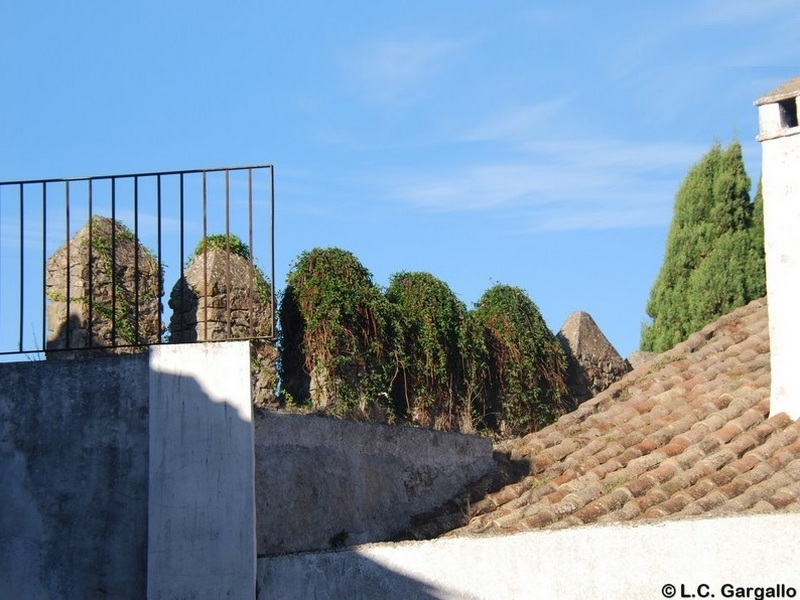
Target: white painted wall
<point x="781" y="188"/>
<point x="201" y="521"/>
<point x="697" y="557"/>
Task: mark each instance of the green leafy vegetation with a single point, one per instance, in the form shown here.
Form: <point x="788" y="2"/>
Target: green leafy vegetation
<point x="416" y="353"/>
<point x="413" y="354"/>
<point x="524" y="379"/>
<point x="714" y="260"/>
<point x="234" y="244"/>
<point x="429" y="388"/>
<point x="112" y="253"/>
<point x="220" y="241"/>
<point x="337" y="336"/>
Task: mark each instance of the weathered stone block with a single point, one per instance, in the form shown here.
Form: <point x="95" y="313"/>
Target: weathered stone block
<point x="592" y="362"/>
<point x="104" y="295"/>
<point x="221" y="296"/>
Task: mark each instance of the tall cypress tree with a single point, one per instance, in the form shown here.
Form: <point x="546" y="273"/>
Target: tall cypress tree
<point x="713" y="261"/>
<point x="757" y="269"/>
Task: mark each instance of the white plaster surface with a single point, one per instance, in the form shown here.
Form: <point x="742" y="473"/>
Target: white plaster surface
<point x="770" y="123"/>
<point x="781" y="190"/>
<point x="201" y="521"/>
<point x="602" y="561"/>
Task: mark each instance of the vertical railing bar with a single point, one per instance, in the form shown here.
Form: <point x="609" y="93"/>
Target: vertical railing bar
<point x="205" y="259"/>
<point x="1" y="251"/>
<point x="21" y="263"/>
<point x="228" y="252"/>
<point x="183" y="286"/>
<point x="272" y="245"/>
<point x="158" y="242"/>
<point x="136" y="255"/>
<point x="44" y="265"/>
<point x="69" y="287"/>
<point x="251" y="283"/>
<point x="91" y="269"/>
<point x="71" y="323"/>
<point x="113" y="262"/>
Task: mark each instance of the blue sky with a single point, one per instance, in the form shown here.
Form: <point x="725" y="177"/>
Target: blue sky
<point x="538" y="144"/>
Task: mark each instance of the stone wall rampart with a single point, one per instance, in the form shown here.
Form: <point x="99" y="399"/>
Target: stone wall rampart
<point x="104" y="297"/>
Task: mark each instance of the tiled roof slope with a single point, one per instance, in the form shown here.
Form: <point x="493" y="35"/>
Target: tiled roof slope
<point x="687" y="434"/>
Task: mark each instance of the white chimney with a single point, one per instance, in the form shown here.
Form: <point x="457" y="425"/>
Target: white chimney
<point x="779" y="135"/>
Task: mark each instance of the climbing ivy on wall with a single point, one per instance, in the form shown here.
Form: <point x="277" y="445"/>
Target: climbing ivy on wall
<point x="337" y="336"/>
<point x="111" y="266"/>
<point x="220" y="241"/>
<point x="234" y="244"/>
<point x="416" y="353"/>
<point x="430" y="383"/>
<point x="524" y="376"/>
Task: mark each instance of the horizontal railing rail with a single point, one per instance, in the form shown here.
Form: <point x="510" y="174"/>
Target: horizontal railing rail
<point x="84" y="260"/>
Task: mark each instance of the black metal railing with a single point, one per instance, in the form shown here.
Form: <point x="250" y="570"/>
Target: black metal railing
<point x="73" y="256"/>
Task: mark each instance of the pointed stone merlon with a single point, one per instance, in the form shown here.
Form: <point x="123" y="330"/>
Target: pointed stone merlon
<point x="592" y="362"/>
<point x="779" y="135"/>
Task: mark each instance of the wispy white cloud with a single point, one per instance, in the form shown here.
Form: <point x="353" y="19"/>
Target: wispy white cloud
<point x="397" y="71"/>
<point x="622" y="213"/>
<point x="769" y="28"/>
<point x="743" y="11"/>
<point x="561" y="185"/>
<point x="473" y="188"/>
<point x="520" y="122"/>
<point x="619" y="155"/>
<point x="712" y="33"/>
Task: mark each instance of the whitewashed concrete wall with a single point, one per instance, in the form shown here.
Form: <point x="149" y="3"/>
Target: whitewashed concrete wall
<point x="676" y="559"/>
<point x="781" y="189"/>
<point x="201" y="523"/>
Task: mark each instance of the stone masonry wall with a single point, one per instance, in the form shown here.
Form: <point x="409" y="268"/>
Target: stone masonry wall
<point x="215" y="282"/>
<point x="102" y="303"/>
<point x="593" y="363"/>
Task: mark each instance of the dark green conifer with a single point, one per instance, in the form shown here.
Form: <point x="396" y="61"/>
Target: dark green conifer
<point x="714" y="259"/>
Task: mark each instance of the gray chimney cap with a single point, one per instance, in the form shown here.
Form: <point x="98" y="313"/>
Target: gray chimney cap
<point x="790" y="89"/>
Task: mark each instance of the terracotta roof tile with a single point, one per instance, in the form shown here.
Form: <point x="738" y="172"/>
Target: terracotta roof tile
<point x="785" y="496"/>
<point x="785" y="456"/>
<point x="692" y="436"/>
<point x="690" y="458"/>
<point x="746" y="463"/>
<point x="629" y="511"/>
<point x="675" y="504"/>
<point x="591" y="512"/>
<point x="762" y="506"/>
<point x="711" y="501"/>
<point x="687" y="434"/>
<point x="652" y="498"/>
<point x="508" y="493"/>
<point x="676" y="484"/>
<point x="542" y="518"/>
<point x="640" y="485"/>
<point x="700" y="489"/>
<point x="741" y="443"/>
